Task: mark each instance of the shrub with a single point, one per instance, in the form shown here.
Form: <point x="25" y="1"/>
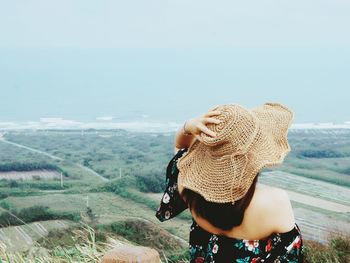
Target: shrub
<point x="151" y="180"/>
<point x="34" y="213"/>
<point x="5" y="205"/>
<point x="12" y="184"/>
<point x="150" y="183"/>
<point x="146" y="234"/>
<point x="117" y="185"/>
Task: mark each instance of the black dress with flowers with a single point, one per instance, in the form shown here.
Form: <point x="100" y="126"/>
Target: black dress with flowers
<point x="207" y="247"/>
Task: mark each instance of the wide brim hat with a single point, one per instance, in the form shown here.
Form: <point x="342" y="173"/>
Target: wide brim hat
<point x="222" y="168"/>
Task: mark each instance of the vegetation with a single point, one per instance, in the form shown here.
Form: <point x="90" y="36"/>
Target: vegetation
<point x="107" y="152"/>
<point x="144" y="233"/>
<point x="125" y="188"/>
<point x="86" y="244"/>
<point x="14" y="217"/>
<point x="135" y="165"/>
<point x="87" y="249"/>
<point x="17" y="166"/>
<point x="338" y="250"/>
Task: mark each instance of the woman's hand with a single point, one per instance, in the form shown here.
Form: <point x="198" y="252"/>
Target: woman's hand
<point x="197" y="125"/>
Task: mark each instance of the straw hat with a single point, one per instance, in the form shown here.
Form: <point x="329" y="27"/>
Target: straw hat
<point x="222" y="168"/>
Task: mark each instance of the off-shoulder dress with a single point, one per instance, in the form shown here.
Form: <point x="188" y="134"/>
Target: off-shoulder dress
<point x="208" y="247"/>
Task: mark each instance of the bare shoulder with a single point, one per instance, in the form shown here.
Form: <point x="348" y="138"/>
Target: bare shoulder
<point x="276" y="209"/>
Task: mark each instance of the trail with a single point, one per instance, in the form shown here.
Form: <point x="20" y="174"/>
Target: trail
<point x="2" y="139"/>
<point x="92" y="171"/>
<point x="31" y="149"/>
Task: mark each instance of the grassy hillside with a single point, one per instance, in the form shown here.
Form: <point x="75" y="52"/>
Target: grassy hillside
<point x="87" y="244"/>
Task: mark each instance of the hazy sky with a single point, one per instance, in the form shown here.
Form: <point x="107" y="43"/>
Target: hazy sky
<point x="171" y="60"/>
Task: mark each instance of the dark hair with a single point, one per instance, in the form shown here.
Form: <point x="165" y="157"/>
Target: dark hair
<point x="222" y="215"/>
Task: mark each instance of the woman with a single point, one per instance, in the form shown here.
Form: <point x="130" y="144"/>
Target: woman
<point x="218" y="159"/>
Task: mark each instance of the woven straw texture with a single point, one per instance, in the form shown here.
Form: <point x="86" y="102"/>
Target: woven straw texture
<point x="222" y="168"/>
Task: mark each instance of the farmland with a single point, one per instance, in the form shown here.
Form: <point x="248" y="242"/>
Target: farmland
<point x="29" y="175"/>
<point x="108" y="176"/>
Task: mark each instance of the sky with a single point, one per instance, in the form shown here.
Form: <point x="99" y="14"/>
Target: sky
<point x="172" y="60"/>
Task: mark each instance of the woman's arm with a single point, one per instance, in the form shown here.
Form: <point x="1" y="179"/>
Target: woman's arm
<point x="182" y="140"/>
<point x="193" y="128"/>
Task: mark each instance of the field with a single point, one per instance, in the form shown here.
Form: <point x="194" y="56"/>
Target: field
<point x="108" y="207"/>
<point x="115" y="176"/>
<point x="320" y="154"/>
<point x="311" y="187"/>
<point x="320" y="207"/>
<point x="30" y="175"/>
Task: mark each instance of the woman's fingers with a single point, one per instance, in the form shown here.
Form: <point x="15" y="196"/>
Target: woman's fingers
<point x="211" y="120"/>
<point x="206" y="118"/>
<point x="206" y="130"/>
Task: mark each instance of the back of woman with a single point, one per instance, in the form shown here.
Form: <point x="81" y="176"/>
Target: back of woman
<point x="232" y="220"/>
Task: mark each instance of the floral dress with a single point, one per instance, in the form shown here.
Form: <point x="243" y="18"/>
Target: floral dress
<point x="206" y="247"/>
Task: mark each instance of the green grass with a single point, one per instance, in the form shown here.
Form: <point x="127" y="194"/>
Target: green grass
<point x="335" y="215"/>
<point x="14" y="241"/>
<point x="326" y="175"/>
<point x="108" y="206"/>
<point x="338" y="250"/>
